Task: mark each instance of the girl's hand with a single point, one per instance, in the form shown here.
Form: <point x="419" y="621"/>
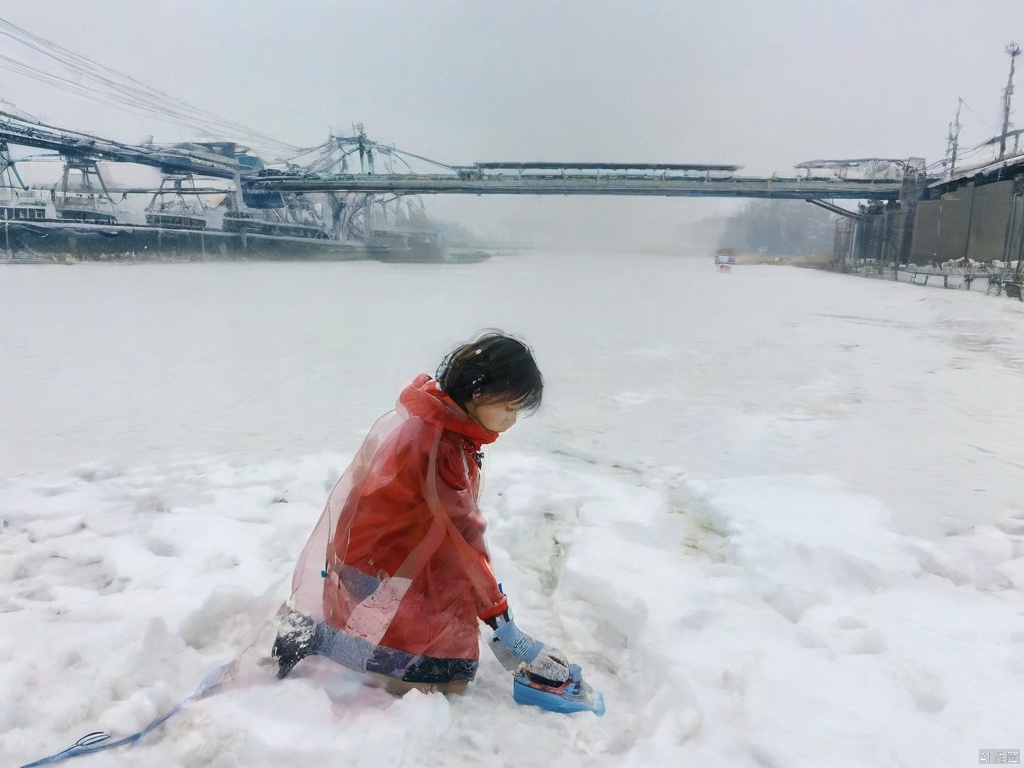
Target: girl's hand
<point x="517" y="651"/>
<point x="549" y="668"/>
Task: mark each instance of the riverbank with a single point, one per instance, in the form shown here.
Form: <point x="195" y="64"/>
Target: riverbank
<point x="818" y="260"/>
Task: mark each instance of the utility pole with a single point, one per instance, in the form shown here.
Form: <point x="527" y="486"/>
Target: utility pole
<point x="954" y="138"/>
<point x="1013" y="51"/>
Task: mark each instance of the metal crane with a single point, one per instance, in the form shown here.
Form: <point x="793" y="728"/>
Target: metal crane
<point x="200" y="160"/>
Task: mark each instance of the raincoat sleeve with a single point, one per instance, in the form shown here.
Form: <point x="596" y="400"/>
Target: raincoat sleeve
<point x="457" y="495"/>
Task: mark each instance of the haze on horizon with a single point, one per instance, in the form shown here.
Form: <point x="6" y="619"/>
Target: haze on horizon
<point x="761" y="84"/>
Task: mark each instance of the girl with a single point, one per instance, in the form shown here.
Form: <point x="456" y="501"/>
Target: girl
<point x="396" y="574"/>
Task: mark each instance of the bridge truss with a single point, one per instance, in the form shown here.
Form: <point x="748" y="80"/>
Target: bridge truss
<point x="565" y="178"/>
<point x="354" y="191"/>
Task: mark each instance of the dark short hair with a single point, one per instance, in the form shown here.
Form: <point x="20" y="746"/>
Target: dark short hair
<point x="495" y="366"/>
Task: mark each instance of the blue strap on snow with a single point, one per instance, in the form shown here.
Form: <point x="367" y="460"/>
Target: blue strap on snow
<point x="99" y="741"/>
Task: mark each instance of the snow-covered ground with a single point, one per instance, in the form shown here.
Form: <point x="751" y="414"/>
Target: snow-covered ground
<point x="776" y="514"/>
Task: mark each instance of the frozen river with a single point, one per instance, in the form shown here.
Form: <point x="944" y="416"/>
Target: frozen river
<point x="776" y="513"/>
<point x="903" y="391"/>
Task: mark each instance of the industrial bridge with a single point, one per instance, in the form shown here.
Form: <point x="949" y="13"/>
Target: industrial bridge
<point x="228" y="161"/>
<point x="557" y="178"/>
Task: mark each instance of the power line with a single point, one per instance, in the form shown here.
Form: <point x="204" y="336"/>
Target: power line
<point x="983" y="122"/>
<point x="121" y="90"/>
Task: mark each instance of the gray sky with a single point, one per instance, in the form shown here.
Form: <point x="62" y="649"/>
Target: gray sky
<point x="761" y="84"/>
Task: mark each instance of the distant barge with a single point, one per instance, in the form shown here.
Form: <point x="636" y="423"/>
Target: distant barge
<point x="29" y="236"/>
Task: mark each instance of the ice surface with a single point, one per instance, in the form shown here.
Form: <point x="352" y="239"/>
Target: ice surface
<point x="774" y="514"/>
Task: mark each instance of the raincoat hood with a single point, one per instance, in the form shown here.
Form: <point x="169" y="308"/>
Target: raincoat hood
<point x="424" y="399"/>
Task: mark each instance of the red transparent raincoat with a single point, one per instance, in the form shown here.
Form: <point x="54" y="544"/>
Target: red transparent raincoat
<point x="397" y="563"/>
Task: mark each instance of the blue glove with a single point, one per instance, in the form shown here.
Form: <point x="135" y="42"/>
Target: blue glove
<point x="517" y="651"/>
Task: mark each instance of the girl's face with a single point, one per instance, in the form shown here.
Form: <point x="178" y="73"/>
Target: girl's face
<point x="497" y="417"/>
